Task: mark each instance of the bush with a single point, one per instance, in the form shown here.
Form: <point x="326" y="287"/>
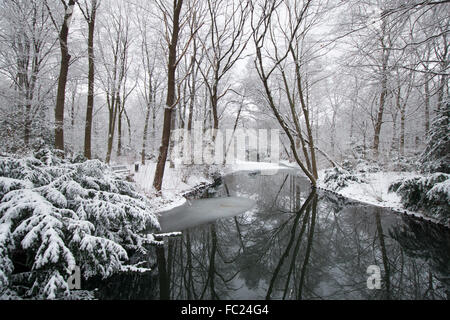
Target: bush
<point x="436" y="157"/>
<point x="337" y="178"/>
<point x="430" y="194"/>
<point x="403" y="164"/>
<point x="55" y="215"/>
<point x="364" y="166"/>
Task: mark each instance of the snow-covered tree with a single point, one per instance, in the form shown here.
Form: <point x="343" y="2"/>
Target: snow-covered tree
<point x="436" y="157"/>
<point x="55" y="215"/>
<point x="430" y="194"/>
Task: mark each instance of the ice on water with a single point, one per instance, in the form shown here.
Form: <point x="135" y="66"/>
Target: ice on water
<point x="202" y="211"/>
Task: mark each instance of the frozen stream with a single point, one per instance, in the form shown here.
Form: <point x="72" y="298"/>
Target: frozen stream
<point x="272" y="237"/>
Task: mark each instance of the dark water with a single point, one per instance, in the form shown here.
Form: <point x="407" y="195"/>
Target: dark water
<point x="297" y="244"/>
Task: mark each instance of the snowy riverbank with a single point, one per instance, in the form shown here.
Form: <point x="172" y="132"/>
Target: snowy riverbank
<point x="368" y="187"/>
<point x="178" y="182"/>
<point x="173" y="188"/>
<point x="373" y="189"/>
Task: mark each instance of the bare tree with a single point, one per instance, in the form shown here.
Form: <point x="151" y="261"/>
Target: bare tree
<point x="89" y="11"/>
<point x="407" y="35"/>
<point x="223" y="46"/>
<point x="263" y="16"/>
<point x="174" y="22"/>
<point x="114" y="80"/>
<point x="26" y="45"/>
<point x="150" y="86"/>
<point x="126" y="92"/>
<point x="385" y="52"/>
<point x="69" y="7"/>
<point x="402" y="94"/>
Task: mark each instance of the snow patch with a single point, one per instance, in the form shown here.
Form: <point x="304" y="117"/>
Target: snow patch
<point x="374" y="190"/>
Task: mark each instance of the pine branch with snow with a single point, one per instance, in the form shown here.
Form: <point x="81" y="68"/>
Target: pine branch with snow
<point x="430" y="194"/>
<point x="60" y="215"/>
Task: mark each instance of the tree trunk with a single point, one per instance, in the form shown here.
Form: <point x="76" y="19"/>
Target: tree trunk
<point x="301" y="140"/>
<point x="62" y="80"/>
<point x="402" y="131"/>
<point x="72" y="108"/>
<point x="119" y="135"/>
<point x="384" y="91"/>
<point x="394" y="143"/>
<point x="333" y="133"/>
<point x="182" y="113"/>
<point x="112" y="126"/>
<point x="193" y="88"/>
<point x="352" y="125"/>
<point x="427" y="107"/>
<point x="110" y="136"/>
<point x="91" y="78"/>
<point x="31" y="92"/>
<point x="280" y="119"/>
<point x="28" y="123"/>
<point x="379" y="121"/>
<point x="171" y="100"/>
<point x="214" y="102"/>
<point x="153" y="130"/>
<point x="129" y="128"/>
<point x="172" y="142"/>
<point x="443" y="82"/>
<point x="305" y="110"/>
<point x="144" y="139"/>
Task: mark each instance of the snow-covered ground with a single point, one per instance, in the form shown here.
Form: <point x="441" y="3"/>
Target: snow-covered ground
<point x="374" y="190"/>
<point x="172" y="182"/>
<point x="173" y="185"/>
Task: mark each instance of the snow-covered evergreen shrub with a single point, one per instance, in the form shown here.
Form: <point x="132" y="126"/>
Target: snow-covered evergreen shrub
<point x="11" y="132"/>
<point x="347" y="165"/>
<point x="403" y="164"/>
<point x="430" y="194"/>
<point x="436" y="157"/>
<point x="337" y="178"/>
<point x="364" y="166"/>
<point x="57" y="215"/>
<point x="358" y="151"/>
<point x="6" y="265"/>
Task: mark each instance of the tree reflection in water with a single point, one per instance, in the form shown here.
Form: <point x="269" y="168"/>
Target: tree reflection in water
<point x="297" y="244"/>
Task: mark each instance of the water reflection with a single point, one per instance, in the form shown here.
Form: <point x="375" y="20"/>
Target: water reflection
<point x="297" y="244"/>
